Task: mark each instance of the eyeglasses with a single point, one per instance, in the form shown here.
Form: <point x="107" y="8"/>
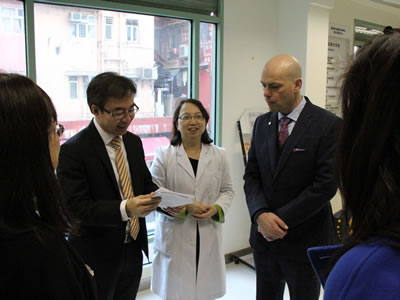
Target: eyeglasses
<point x="119" y="114"/>
<point x="60" y="129"/>
<point x="186" y="118"/>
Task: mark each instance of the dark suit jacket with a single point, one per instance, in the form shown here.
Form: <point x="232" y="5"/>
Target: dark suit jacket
<point x="298" y="185"/>
<point x="91" y="189"/>
<point x="45" y="269"/>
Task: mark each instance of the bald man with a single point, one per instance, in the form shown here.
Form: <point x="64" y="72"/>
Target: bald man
<point x="289" y="182"/>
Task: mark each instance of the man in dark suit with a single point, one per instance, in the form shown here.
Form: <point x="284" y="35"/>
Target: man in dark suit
<point x="289" y="182"/>
<point x="107" y="202"/>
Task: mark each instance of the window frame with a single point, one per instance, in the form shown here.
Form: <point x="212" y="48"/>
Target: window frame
<point x="73" y="86"/>
<point x="11" y="19"/>
<point x="132" y="30"/>
<point x="84" y="29"/>
<point x="108" y="28"/>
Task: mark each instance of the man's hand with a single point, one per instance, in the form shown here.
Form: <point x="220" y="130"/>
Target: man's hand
<point x="271" y="226"/>
<point x="142" y="205"/>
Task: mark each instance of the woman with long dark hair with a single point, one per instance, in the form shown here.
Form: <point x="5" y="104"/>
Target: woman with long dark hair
<point x="36" y="261"/>
<point x="368" y="266"/>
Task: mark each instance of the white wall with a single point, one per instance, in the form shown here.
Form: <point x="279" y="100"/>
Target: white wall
<point x="251" y="37"/>
<point x="256" y="30"/>
<point x="253" y="33"/>
<point x="293" y="22"/>
<point x="317" y="54"/>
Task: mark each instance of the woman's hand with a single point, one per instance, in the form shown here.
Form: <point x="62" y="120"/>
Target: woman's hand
<point x="203" y="211"/>
<point x="174" y="211"/>
<point x="196" y="208"/>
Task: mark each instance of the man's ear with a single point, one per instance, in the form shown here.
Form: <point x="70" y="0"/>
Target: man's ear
<point x="95" y="110"/>
<point x="298" y="83"/>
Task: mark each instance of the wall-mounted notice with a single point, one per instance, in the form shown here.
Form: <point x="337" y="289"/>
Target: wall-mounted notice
<point x="338" y="59"/>
<point x="245" y="127"/>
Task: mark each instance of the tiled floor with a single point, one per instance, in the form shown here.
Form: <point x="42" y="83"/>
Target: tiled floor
<point x="241" y="285"/>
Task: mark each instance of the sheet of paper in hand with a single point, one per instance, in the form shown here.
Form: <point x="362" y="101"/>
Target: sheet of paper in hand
<point x="172" y="199"/>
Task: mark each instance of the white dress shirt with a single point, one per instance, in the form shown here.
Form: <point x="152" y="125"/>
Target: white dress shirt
<point x="294" y="115"/>
<point x="107" y="137"/>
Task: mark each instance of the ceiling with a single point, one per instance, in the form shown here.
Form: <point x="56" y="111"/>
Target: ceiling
<point x="388" y="3"/>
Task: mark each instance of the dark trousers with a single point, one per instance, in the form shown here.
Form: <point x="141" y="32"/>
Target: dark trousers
<point x="273" y="270"/>
<point x="119" y="278"/>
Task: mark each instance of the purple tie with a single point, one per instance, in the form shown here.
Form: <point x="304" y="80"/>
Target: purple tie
<point x="283" y="130"/>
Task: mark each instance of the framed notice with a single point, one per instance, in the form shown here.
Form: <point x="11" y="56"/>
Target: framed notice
<point x="245" y="127"/>
<point x="338" y="59"/>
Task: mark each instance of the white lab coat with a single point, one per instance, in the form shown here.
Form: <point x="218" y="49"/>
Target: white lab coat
<point x="174" y="264"/>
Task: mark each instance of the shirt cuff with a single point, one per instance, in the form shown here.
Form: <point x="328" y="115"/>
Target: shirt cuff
<point x="219" y="216"/>
<point x="183" y="214"/>
<point x="122" y="207"/>
<point x="257" y="214"/>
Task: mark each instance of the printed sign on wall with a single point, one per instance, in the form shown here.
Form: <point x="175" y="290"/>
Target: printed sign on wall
<point x="338" y="59"/>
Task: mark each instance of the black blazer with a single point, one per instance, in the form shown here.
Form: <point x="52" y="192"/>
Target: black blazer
<point x="43" y="269"/>
<point x="91" y="190"/>
<point x="297" y="185"/>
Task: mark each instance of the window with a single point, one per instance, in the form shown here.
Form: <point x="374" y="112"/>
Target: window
<point x="132" y="30"/>
<point x="12" y="20"/>
<point x="12" y="37"/>
<point x="73" y="87"/>
<point x="174" y="39"/>
<point x="85" y="83"/>
<point x="82" y="25"/>
<point x="207" y="68"/>
<point x="160" y="72"/>
<point x="91" y="27"/>
<point x="108" y="28"/>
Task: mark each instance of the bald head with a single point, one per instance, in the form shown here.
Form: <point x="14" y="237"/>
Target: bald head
<point x="281" y="80"/>
<point x="286" y="66"/>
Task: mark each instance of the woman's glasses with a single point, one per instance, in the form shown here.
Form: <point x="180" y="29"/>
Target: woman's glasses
<point x="187" y="117"/>
<point x="59" y="130"/>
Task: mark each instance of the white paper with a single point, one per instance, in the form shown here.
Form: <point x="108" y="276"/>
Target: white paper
<point x="172" y="199"/>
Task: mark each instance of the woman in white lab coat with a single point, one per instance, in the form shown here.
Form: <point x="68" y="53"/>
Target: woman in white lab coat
<point x="189" y="258"/>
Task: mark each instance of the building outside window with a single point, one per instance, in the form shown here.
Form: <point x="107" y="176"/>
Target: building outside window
<point x="12" y="20"/>
<point x="82" y="25"/>
<point x="132" y="30"/>
<point x="108" y="28"/>
<point x="85" y="83"/>
<point x="12" y="37"/>
<point x="73" y="87"/>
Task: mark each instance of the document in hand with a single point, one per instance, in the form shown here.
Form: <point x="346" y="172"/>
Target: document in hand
<point x="172" y="199"/>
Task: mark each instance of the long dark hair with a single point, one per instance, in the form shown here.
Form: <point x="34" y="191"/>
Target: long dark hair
<point x="30" y="195"/>
<point x="369" y="144"/>
<point x="176" y="138"/>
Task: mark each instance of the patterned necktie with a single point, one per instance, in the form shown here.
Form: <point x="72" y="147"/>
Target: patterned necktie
<point x="283" y="130"/>
<point x="125" y="183"/>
